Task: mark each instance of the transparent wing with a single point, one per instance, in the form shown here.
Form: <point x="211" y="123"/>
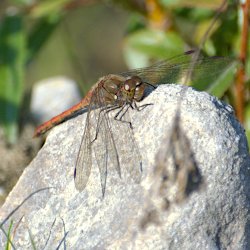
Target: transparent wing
<point x="112" y="152"/>
<point x="84" y="157"/>
<point x="177" y="68"/>
<point x="99" y="146"/>
<point x="105" y="150"/>
<point x="98" y="138"/>
<point x="104" y="145"/>
<point x="127" y="147"/>
<point x="135" y="161"/>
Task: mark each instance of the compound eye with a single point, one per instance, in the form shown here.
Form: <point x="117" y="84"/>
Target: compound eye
<point x="137" y="80"/>
<point x="126" y="87"/>
<point x="138" y="83"/>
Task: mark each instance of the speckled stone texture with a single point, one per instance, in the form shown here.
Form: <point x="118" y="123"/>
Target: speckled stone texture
<point x="213" y="217"/>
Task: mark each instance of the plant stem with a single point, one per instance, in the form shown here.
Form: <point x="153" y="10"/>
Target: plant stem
<point x="240" y="80"/>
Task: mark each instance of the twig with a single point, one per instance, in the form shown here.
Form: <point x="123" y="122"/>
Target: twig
<point x="241" y="74"/>
<point x="50" y="231"/>
<point x="65" y="233"/>
<point x="26" y="199"/>
<point x="205" y="37"/>
<point x="156" y="14"/>
<point x="62" y="241"/>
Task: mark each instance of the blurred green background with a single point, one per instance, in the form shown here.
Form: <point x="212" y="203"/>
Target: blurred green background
<point x="87" y="39"/>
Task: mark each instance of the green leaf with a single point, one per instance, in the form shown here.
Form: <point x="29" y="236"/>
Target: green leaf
<point x="147" y="44"/>
<point x="32" y="240"/>
<point x="135" y="59"/>
<point x="12" y="65"/>
<point x="214" y="76"/>
<point x="48" y="7"/>
<point x="8" y="243"/>
<point x="223" y="82"/>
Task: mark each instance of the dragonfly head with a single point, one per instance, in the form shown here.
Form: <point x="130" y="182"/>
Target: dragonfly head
<point x="133" y="89"/>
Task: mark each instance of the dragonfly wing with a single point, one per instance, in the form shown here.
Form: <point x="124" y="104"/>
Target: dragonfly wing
<point x="84" y="158"/>
<point x="112" y="146"/>
<point x="134" y="164"/>
<point x="127" y="147"/>
<point x="180" y="67"/>
<point x="104" y="145"/>
<point x="100" y="147"/>
<point x="106" y="154"/>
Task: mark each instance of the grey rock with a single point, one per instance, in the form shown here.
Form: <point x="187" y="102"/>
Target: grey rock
<point x="215" y="216"/>
<point x="52" y="96"/>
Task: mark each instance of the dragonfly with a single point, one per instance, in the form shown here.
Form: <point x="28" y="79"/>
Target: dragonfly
<point x="116" y="94"/>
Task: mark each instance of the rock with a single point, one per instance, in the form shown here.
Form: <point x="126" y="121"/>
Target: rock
<point x="213" y="216"/>
<point x="52" y="96"/>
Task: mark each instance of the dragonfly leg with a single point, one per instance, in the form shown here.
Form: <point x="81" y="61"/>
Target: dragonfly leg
<point x="140" y="108"/>
<point x="99" y="119"/>
<point x="122" y="112"/>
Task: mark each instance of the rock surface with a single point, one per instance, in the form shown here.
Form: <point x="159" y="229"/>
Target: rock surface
<point x="213" y="217"/>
